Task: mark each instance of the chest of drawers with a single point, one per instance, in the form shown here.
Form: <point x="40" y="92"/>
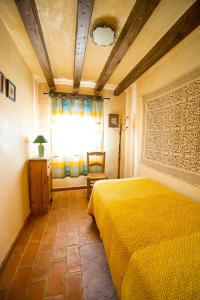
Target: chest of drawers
<point x="40" y="182"/>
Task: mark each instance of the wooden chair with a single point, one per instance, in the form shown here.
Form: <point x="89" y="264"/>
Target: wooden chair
<point x="91" y="162"/>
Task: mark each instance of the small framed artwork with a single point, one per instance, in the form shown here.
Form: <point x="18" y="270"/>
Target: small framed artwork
<point x="1" y="82"/>
<point x="113" y="120"/>
<point x="10" y="90"/>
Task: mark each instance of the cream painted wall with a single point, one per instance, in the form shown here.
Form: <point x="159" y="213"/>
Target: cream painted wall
<point x="116" y="105"/>
<point x="129" y="163"/>
<point x="179" y="61"/>
<point x="17" y="128"/>
<point x="111" y="136"/>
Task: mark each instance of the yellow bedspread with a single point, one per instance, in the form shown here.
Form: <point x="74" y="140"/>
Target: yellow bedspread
<point x="151" y="236"/>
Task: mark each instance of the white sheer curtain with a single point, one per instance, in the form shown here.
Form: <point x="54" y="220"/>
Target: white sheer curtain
<point x="77" y="127"/>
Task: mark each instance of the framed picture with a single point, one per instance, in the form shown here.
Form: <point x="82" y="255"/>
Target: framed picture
<point x="1" y="82"/>
<point x="10" y="90"/>
<point x="113" y="120"/>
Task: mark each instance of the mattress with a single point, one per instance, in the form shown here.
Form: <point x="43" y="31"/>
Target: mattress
<point x="137" y="218"/>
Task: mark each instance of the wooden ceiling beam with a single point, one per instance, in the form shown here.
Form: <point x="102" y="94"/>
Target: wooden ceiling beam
<point x="29" y="14"/>
<point x="183" y="27"/>
<point x="138" y="17"/>
<point x="84" y="14"/>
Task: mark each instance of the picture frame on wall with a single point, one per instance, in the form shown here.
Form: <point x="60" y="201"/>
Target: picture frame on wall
<point x="113" y="120"/>
<point x="1" y="82"/>
<point x="10" y="90"/>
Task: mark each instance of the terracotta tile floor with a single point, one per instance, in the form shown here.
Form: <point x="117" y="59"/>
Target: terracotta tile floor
<point x="45" y="263"/>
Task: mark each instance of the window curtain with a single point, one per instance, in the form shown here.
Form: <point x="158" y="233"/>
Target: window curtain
<point x="77" y="128"/>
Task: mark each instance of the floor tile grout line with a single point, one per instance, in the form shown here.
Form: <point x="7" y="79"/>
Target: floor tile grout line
<point x="32" y="266"/>
<point x="77" y="209"/>
<point x="47" y="280"/>
<point x="47" y="276"/>
<point x="43" y="234"/>
<point x="18" y="267"/>
<point x="34" y="263"/>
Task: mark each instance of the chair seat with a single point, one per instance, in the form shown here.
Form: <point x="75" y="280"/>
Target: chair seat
<point x="96" y="176"/>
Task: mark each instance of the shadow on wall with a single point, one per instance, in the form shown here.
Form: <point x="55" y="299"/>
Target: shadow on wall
<point x="24" y="185"/>
<point x="106" y="20"/>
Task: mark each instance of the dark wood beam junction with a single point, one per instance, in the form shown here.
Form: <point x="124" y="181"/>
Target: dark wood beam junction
<point x="29" y="14"/>
<point x="138" y="17"/>
<point x="84" y="14"/>
<point x="183" y="27"/>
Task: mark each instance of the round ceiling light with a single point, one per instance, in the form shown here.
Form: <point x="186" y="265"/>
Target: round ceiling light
<point x="103" y="35"/>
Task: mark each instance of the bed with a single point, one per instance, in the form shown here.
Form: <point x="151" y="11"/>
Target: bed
<point x="151" y="236"/>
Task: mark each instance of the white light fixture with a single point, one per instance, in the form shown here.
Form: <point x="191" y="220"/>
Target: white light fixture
<point x="103" y="35"/>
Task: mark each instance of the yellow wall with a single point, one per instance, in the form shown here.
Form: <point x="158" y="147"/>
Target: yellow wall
<point x="129" y="163"/>
<point x="115" y="105"/>
<point x="16" y="133"/>
<point x="179" y="61"/>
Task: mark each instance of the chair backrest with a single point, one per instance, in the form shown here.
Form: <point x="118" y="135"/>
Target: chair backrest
<point x="93" y="160"/>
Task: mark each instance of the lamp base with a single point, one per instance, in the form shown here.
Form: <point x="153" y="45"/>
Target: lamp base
<point x="41" y="150"/>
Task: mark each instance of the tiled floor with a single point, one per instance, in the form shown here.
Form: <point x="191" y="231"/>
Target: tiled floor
<point x="45" y="263"/>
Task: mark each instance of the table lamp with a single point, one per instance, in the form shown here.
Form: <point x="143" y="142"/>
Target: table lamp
<point x="40" y="140"/>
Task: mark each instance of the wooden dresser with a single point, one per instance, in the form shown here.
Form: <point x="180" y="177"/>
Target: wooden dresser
<point x="40" y="182"/>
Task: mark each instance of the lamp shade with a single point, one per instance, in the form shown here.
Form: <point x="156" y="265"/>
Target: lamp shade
<point x="40" y="140"/>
